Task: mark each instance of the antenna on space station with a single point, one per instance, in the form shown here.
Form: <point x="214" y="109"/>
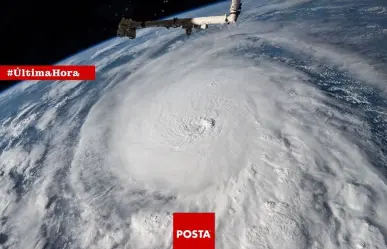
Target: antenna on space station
<point x="128" y="27"/>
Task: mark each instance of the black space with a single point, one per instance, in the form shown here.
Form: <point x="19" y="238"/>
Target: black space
<point x="45" y="32"/>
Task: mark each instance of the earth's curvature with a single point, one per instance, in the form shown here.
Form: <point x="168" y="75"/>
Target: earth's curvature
<point x="278" y="124"/>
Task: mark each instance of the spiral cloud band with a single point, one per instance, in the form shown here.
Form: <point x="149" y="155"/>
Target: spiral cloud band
<point x="256" y="122"/>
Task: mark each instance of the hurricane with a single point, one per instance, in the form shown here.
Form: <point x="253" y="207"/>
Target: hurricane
<point x="277" y="123"/>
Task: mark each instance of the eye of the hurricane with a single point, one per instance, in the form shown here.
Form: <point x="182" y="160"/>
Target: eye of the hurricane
<point x="197" y="127"/>
<point x="189" y="130"/>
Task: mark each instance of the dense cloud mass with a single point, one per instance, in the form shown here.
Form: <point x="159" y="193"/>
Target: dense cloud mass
<point x="277" y="124"/>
